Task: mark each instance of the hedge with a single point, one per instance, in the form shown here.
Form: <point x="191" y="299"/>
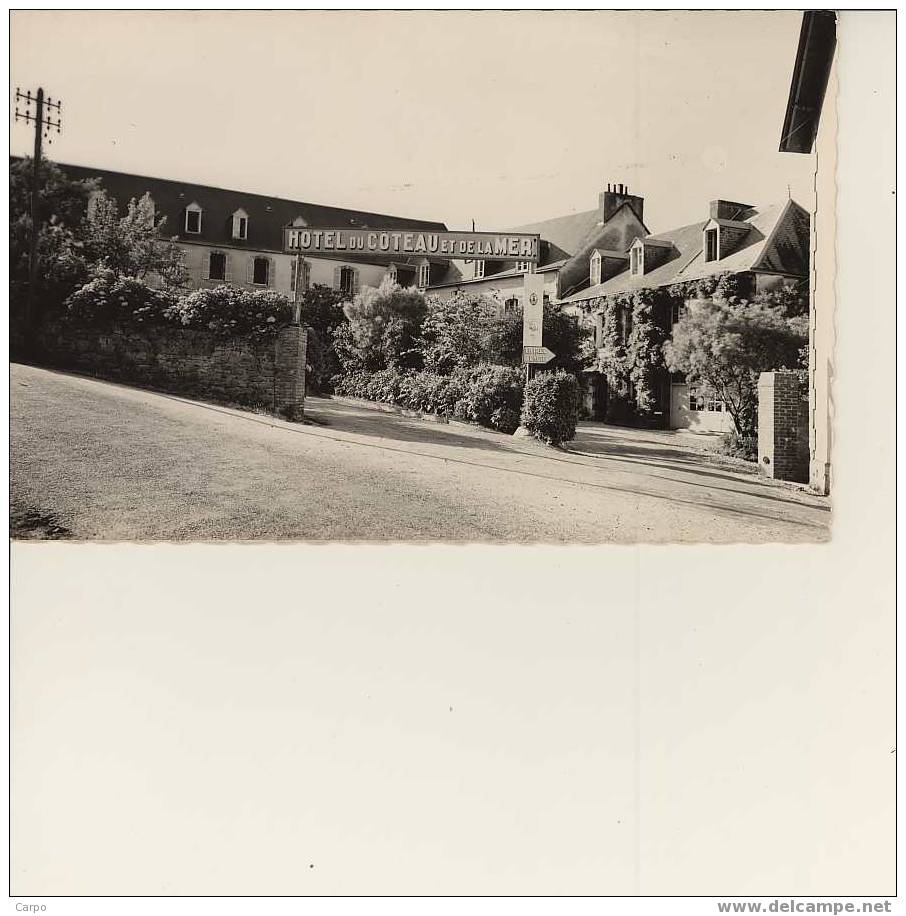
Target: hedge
<point x="551" y="407"/>
<point x="109" y="298"/>
<point x="488" y="395"/>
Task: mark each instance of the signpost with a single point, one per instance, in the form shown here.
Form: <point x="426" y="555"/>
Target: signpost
<point x="533" y="323"/>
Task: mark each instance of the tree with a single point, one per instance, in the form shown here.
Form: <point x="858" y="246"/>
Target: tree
<point x="62" y="206"/>
<point x="724" y="346"/>
<point x="457" y="331"/>
<point x="382" y="330"/>
<point x="131" y="245"/>
<point x="322" y="314"/>
<point x="562" y="334"/>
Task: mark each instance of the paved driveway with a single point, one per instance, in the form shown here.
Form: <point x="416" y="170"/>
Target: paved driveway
<point x="97" y="460"/>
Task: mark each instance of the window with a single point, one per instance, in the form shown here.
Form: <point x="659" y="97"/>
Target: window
<point x="261" y="271"/>
<point x="424" y="275"/>
<point x="306" y="275"/>
<point x="347" y="280"/>
<point x="677" y="310"/>
<point x="524" y="267"/>
<point x="625" y="324"/>
<point x="510" y="306"/>
<point x="594" y="272"/>
<point x="217" y="265"/>
<point x="193" y="219"/>
<point x="240" y="225"/>
<point x="392" y="273"/>
<point x="711" y="245"/>
<point x="478" y="270"/>
<point x="636" y="261"/>
<point x="699" y="401"/>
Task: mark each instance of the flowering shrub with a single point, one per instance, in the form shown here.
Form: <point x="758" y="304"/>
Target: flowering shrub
<point x="551" y="407"/>
<point x="110" y="298"/>
<point x="229" y="310"/>
<point x="107" y="298"/>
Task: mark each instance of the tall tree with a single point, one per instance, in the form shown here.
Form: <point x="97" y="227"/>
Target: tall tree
<point x="62" y="206"/>
<point x="322" y="314"/>
<point x="383" y="329"/>
<point x="724" y="346"/>
<point x="133" y="244"/>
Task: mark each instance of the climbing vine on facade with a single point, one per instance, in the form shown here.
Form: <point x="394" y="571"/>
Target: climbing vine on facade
<point x="634" y="327"/>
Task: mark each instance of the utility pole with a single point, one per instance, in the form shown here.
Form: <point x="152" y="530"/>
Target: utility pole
<point x="43" y="126"/>
<point x="297" y="291"/>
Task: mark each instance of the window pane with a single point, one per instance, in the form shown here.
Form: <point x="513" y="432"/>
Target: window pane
<point x="193" y="221"/>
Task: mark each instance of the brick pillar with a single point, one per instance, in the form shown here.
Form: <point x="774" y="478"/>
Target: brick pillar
<point x="783" y="450"/>
<point x="289" y="372"/>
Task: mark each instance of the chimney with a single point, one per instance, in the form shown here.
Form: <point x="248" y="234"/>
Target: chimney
<point x="730" y="209"/>
<point x="611" y="200"/>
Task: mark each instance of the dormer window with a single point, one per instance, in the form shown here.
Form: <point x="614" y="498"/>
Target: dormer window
<point x="424" y="275"/>
<point x="392" y="273"/>
<point x="478" y="270"/>
<point x="240" y="225"/>
<point x="594" y="269"/>
<point x="711" y="245"/>
<point x="637" y="261"/>
<point x="193" y="219"/>
<point x="524" y="267"/>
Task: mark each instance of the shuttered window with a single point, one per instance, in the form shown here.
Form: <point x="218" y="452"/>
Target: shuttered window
<point x="217" y="266"/>
<point x="346" y="279"/>
<point x="260" y="271"/>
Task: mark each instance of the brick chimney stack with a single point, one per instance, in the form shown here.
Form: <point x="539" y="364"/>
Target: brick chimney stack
<point x="614" y="197"/>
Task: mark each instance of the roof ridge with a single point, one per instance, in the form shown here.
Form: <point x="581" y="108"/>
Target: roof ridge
<point x="210" y="187"/>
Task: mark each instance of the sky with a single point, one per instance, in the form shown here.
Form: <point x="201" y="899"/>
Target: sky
<point x="501" y="117"/>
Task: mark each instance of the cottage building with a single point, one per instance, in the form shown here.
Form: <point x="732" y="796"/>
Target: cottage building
<point x="567" y="243"/>
<point x="762" y="247"/>
<point x="240" y="238"/>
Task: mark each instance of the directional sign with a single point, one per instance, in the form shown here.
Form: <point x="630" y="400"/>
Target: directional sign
<point x="536" y="355"/>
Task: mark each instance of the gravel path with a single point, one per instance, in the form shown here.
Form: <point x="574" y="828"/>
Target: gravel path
<point x="104" y="461"/>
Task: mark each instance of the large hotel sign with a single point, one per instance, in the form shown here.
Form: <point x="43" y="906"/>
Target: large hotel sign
<point x="478" y="246"/>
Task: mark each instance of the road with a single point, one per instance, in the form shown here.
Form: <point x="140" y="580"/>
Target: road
<point x="96" y="460"/>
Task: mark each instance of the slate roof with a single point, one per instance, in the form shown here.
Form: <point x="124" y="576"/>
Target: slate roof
<point x="454" y="276"/>
<point x="566" y="235"/>
<point x="765" y="247"/>
<point x="267" y="215"/>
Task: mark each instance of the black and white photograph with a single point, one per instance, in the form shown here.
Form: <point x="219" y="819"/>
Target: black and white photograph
<point x="323" y="307"/>
<point x="429" y="454"/>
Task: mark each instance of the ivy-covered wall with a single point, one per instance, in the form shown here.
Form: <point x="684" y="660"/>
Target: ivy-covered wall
<point x="634" y="327"/>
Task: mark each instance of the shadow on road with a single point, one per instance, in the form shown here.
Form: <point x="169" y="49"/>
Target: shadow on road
<point x="361" y="421"/>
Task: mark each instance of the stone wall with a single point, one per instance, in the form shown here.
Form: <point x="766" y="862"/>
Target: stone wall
<point x="266" y="372"/>
<point x="783" y="448"/>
